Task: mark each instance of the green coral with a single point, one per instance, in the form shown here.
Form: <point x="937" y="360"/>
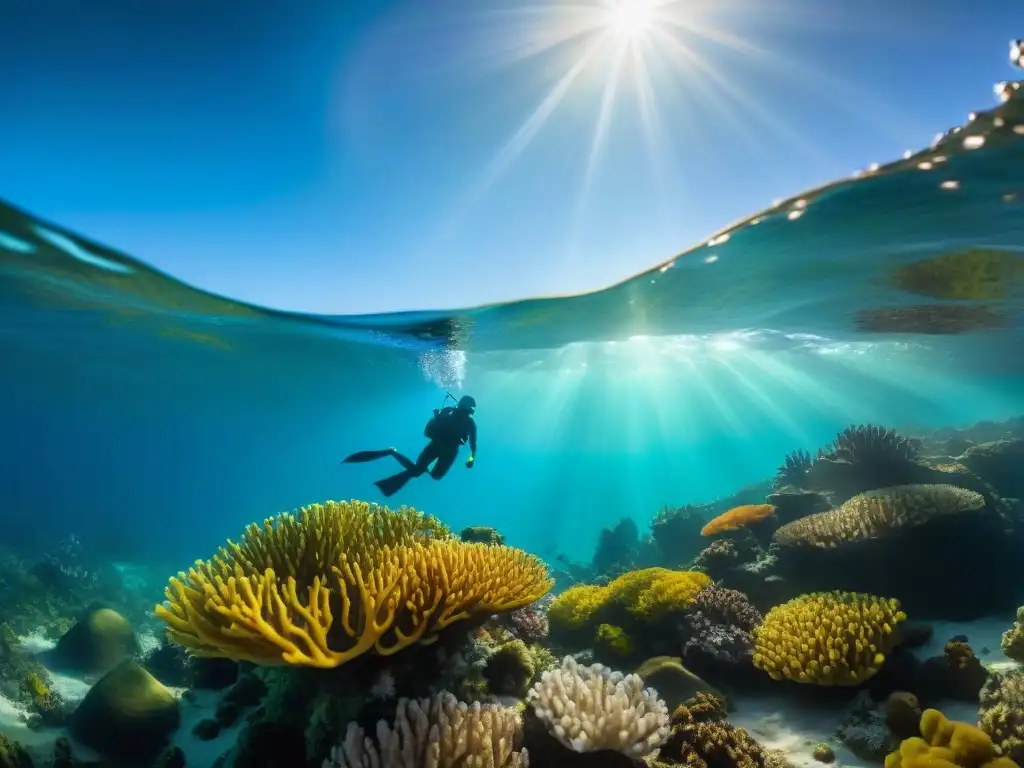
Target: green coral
<point x="1013" y="638"/>
<point x="1002" y="712"/>
<point x="646" y="596"/>
<point x="612" y="642"/>
<point x="510" y="669"/>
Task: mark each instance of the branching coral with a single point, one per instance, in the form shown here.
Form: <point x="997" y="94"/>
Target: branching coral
<point x="876" y="513"/>
<point x="593" y="708"/>
<point x="436" y="733"/>
<point x="827" y="638"/>
<point x="1002" y="712"/>
<point x="1013" y="638"/>
<point x="947" y="744"/>
<point x="390" y="578"/>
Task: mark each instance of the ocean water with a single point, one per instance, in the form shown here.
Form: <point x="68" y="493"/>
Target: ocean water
<point x="154" y="420"/>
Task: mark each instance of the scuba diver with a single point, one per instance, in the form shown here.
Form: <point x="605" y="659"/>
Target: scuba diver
<point x="447" y="429"/>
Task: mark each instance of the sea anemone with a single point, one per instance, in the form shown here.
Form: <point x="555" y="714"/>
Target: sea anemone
<point x="793" y="470"/>
<point x="870" y="444"/>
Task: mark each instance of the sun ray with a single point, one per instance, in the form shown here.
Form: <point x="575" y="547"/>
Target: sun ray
<point x="835" y="90"/>
<point x="724" y="87"/>
<point x="597" y="144"/>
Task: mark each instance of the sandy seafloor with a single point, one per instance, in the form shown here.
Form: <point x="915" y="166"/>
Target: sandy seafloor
<point x="776" y="722"/>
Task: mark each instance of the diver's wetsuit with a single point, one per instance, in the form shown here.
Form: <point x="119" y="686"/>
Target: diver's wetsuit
<point x="454" y="428"/>
<point x="448" y="429"/>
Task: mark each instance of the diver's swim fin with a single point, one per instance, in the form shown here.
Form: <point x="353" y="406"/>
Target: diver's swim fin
<point x="363" y="456"/>
<point x="389" y="486"/>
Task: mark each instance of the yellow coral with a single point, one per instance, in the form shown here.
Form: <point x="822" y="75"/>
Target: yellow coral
<point x="947" y="744"/>
<point x="649" y="595"/>
<point x="36" y="686"/>
<point x="613" y="639"/>
<point x="323" y="586"/>
<point x="827" y="638"/>
<point x="652" y="593"/>
<point x="576" y="606"/>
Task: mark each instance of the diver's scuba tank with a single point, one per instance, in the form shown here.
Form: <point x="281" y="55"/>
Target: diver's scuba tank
<point x="433" y="428"/>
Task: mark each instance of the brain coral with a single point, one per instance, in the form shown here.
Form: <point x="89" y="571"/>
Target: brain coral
<point x="338" y="579"/>
<point x="875" y="513"/>
<point x="827" y="638"/>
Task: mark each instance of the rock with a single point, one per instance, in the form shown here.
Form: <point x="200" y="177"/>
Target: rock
<point x="128" y="714"/>
<point x="999" y="464"/>
<point x="674" y="682"/>
<point x="206" y="729"/>
<point x="100" y="640"/>
<point x="172" y="757"/>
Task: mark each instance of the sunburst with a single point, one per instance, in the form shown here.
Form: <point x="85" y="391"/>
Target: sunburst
<point x="671" y="64"/>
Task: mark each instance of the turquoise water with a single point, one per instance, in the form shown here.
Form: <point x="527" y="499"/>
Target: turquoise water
<point x="155" y="420"/>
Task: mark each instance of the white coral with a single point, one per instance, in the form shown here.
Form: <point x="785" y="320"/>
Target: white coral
<point x="592" y="708"/>
<point x="440" y="732"/>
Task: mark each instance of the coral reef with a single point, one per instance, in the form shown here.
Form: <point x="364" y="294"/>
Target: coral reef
<point x="435" y="733"/>
<point x="719" y="627"/>
<point x="736" y="518"/>
<point x="700" y="737"/>
<point x="647" y="595"/>
<point x="947" y="743"/>
<point x="1001" y="715"/>
<point x="399" y="578"/>
<point x="1013" y="638"/>
<point x="874" y="514"/>
<point x="956" y="674"/>
<point x="793" y="471"/>
<point x="828" y="638"/>
<point x="529" y="623"/>
<point x="864" y="729"/>
<point x="588" y="709"/>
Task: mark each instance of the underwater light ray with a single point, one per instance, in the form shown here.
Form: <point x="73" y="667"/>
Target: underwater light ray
<point x="705" y="389"/>
<point x="726" y="88"/>
<point x="756" y="392"/>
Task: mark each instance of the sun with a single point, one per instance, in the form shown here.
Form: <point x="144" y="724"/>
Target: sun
<point x="630" y="18"/>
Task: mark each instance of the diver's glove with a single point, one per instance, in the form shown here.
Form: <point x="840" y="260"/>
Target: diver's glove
<point x="469" y="462"/>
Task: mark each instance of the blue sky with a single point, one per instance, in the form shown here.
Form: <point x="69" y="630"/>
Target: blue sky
<point x="348" y="157"/>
